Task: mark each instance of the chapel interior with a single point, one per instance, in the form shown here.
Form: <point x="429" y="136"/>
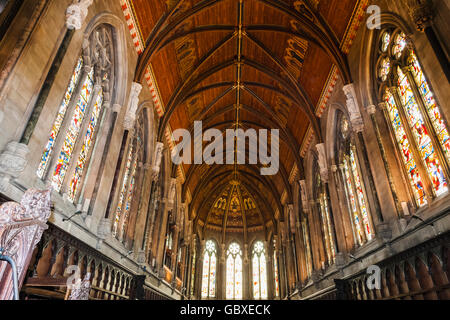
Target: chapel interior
<point x="92" y="205"/>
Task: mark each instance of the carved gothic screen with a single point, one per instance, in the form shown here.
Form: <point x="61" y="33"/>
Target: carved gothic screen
<point x="358" y="206"/>
<point x="234" y="272"/>
<point x="259" y="267"/>
<point x="209" y="270"/>
<point x="327" y="229"/>
<point x="69" y="149"/>
<point x="417" y="126"/>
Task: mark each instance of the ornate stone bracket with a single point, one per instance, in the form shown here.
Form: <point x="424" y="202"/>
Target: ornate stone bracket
<point x="304" y="195"/>
<point x="133" y="105"/>
<point x="13" y="161"/>
<point x="421" y="13"/>
<point x="21" y="228"/>
<point x="157" y="160"/>
<point x="322" y="161"/>
<point x="76" y="14"/>
<point x="353" y="108"/>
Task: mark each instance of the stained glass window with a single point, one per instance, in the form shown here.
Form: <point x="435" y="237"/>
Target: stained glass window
<point x="129" y="196"/>
<point x="234" y="272"/>
<point x="420" y="132"/>
<point x="399" y="45"/>
<point x="209" y="270"/>
<point x="357" y="198"/>
<point x="431" y="105"/>
<point x="307" y="243"/>
<point x="88" y="140"/>
<point x="327" y="229"/>
<point x="194" y="261"/>
<point x="123" y="191"/>
<point x="48" y="150"/>
<point x="386" y="39"/>
<point x="418" y="126"/>
<point x="259" y="267"/>
<point x="73" y="132"/>
<point x="385" y="69"/>
<point x="275" y="273"/>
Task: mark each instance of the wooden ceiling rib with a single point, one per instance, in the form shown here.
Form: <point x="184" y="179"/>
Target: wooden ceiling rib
<point x="284" y="50"/>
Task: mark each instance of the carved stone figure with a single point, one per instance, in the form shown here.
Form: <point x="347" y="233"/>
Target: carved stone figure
<point x="322" y="161"/>
<point x="304" y="195"/>
<point x="133" y="104"/>
<point x="76" y="14"/>
<point x="353" y="108"/>
<point x="157" y="160"/>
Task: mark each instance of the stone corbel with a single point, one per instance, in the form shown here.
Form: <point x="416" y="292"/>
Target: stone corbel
<point x="322" y="161"/>
<point x="353" y="108"/>
<point x="304" y="195"/>
<point x="172" y="191"/>
<point x="76" y="14"/>
<point x="133" y="105"/>
<point x="13" y="161"/>
<point x="157" y="160"/>
<point x="291" y="217"/>
<point x="421" y="13"/>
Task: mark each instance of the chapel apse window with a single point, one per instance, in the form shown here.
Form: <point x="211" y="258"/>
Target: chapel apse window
<point x="259" y="267"/>
<point x="234" y="272"/>
<point x="418" y="127"/>
<point x="209" y="270"/>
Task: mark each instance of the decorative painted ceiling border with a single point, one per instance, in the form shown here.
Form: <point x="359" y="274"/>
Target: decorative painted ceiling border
<point x="133" y="26"/>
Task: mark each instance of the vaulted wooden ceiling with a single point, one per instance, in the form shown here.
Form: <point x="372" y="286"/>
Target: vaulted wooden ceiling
<point x="251" y="63"/>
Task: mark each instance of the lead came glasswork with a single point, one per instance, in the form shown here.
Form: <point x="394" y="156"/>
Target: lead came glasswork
<point x="88" y="139"/>
<point x="403" y="142"/>
<point x="73" y="132"/>
<point x="423" y="140"/>
<point x="209" y="270"/>
<point x="259" y="271"/>
<point x="431" y="105"/>
<point x="48" y="150"/>
<point x="234" y="272"/>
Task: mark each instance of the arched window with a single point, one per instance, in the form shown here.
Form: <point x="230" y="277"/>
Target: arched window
<point x="325" y="218"/>
<point x="275" y="270"/>
<point x="74" y="131"/>
<point x="307" y="243"/>
<point x="259" y="271"/>
<point x="135" y="156"/>
<point x="353" y="186"/>
<point x="418" y="127"/>
<point x="209" y="270"/>
<point x="234" y="272"/>
<point x="194" y="262"/>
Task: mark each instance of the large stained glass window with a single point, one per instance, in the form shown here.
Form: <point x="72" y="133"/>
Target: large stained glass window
<point x="48" y="150"/>
<point x="87" y="144"/>
<point x="307" y="243"/>
<point x="234" y="272"/>
<point x="275" y="271"/>
<point x="209" y="270"/>
<point x="326" y="222"/>
<point x="73" y="131"/>
<point x="419" y="129"/>
<point x="123" y="192"/>
<point x="259" y="268"/>
<point x="194" y="261"/>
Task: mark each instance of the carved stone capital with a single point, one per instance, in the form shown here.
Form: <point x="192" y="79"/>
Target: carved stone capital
<point x="13" y="159"/>
<point x="421" y="12"/>
<point x="372" y="109"/>
<point x="76" y="14"/>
